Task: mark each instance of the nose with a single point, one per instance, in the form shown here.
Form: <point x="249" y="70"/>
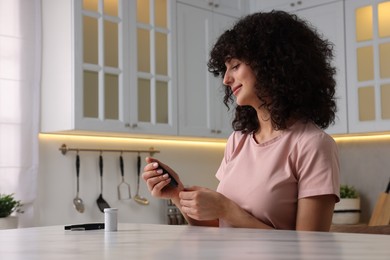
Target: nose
<point x="227" y="78"/>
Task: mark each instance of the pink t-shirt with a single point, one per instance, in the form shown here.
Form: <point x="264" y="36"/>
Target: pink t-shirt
<point x="267" y="179"/>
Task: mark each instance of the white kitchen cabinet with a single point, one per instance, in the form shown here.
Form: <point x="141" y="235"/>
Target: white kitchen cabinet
<point x="234" y="8"/>
<point x="94" y="52"/>
<point x="286" y="5"/>
<point x="201" y="109"/>
<point x="328" y="19"/>
<point x="368" y="67"/>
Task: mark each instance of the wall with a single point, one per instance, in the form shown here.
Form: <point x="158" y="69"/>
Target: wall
<point x="364" y="164"/>
<point x="196" y="162"/>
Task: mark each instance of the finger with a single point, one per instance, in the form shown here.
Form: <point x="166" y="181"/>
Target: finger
<point x="191" y="212"/>
<point x="150" y="166"/>
<point x="150" y="159"/>
<point x="187" y="195"/>
<point x="157" y="187"/>
<point x="153" y="181"/>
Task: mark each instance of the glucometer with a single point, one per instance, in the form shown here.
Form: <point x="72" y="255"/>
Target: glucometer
<point x="173" y="182"/>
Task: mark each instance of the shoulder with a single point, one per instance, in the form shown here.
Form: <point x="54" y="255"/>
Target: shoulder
<point x="235" y="142"/>
<point x="308" y="134"/>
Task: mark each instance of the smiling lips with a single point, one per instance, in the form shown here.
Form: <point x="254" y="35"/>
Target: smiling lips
<point x="236" y="89"/>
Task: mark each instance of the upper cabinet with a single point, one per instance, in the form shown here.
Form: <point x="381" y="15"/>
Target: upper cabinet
<point x="234" y="8"/>
<point x="328" y="19"/>
<point x="201" y="109"/>
<point x="368" y="67"/>
<point x="286" y="5"/>
<point x="108" y="66"/>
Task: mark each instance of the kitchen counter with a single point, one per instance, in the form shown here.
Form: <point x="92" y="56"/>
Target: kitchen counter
<point x="149" y="241"/>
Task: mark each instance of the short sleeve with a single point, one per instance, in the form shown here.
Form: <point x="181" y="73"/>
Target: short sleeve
<point x="317" y="166"/>
<point x="229" y="148"/>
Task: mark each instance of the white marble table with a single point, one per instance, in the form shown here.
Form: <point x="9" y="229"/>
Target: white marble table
<point x="146" y="241"/>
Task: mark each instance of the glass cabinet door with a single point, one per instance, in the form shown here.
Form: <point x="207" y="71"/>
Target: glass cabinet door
<point x="102" y="82"/>
<point x="368" y="25"/>
<point x="154" y="77"/>
<point x="124" y="66"/>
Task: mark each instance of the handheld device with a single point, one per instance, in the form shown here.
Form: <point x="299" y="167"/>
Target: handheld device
<point x="173" y="182"/>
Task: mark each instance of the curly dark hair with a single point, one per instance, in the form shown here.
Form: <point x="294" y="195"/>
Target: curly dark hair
<point x="292" y="65"/>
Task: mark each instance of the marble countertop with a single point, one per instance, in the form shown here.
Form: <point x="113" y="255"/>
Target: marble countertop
<point x="149" y="241"/>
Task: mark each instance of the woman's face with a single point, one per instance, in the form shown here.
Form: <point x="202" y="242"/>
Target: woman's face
<point x="241" y="79"/>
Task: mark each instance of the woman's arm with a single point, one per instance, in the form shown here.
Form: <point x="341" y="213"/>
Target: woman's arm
<point x="315" y="213"/>
<point x="201" y="204"/>
<point x="158" y="185"/>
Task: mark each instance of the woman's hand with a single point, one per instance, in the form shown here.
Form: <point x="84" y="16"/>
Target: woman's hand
<point x="202" y="203"/>
<point x="206" y="207"/>
<point x="157" y="183"/>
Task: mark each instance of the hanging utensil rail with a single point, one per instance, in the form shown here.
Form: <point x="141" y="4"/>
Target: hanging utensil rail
<point x="64" y="149"/>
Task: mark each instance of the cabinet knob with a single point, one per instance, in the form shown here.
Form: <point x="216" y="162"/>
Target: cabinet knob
<point x="292" y="4"/>
<point x="216" y="5"/>
<point x="299" y="2"/>
<point x="213" y="131"/>
<point x="211" y="4"/>
<point x="218" y="131"/>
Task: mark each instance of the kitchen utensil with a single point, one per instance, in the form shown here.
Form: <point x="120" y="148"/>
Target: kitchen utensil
<point x="124" y="192"/>
<point x="137" y="197"/>
<point x="381" y="214"/>
<point x="102" y="204"/>
<point x="77" y="201"/>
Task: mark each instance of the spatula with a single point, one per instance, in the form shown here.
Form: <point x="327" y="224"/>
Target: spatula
<point x="102" y="204"/>
<point x="124" y="192"/>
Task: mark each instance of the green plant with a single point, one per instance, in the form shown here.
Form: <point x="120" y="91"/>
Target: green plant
<point x="8" y="205"/>
<point x="348" y="192"/>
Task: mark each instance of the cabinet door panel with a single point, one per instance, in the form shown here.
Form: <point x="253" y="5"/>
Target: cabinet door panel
<point x="194" y="35"/>
<point x="223" y="117"/>
<point x="328" y="19"/>
<point x="234" y="8"/>
<point x="287" y="5"/>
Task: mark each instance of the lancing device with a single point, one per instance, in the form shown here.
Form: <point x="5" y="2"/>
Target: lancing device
<point x="173" y="182"/>
<point x="82" y="227"/>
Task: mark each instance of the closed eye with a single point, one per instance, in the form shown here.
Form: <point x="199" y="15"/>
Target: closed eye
<point x="235" y="67"/>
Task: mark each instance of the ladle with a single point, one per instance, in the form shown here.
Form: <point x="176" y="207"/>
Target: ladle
<point x="137" y="197"/>
<point x="77" y="201"/>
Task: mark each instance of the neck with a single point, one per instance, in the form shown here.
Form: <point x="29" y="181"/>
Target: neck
<point x="266" y="130"/>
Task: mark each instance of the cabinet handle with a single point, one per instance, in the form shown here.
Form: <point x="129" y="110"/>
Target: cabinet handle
<point x="130" y="126"/>
<point x="218" y="131"/>
<point x="213" y="131"/>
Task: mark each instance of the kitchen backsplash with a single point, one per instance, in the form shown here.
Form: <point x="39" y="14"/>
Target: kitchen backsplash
<point x="195" y="162"/>
<point x="364" y="164"/>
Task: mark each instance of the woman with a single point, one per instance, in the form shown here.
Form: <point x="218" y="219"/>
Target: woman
<point x="280" y="169"/>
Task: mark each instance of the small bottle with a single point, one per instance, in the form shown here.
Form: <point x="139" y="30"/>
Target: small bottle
<point x="110" y="219"/>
